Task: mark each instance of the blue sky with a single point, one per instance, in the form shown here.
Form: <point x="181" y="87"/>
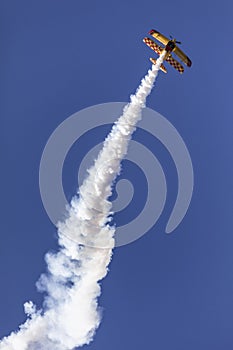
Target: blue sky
<point x="163" y="291"/>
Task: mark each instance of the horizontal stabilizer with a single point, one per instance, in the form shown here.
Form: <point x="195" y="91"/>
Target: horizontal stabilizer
<point x="153" y="60"/>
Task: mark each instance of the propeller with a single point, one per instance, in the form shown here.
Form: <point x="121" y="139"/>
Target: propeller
<point x="178" y="42"/>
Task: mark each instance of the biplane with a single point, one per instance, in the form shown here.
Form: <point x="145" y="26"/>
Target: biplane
<point x="170" y="46"/>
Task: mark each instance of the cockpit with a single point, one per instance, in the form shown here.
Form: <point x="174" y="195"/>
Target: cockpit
<point x="170" y="46"/>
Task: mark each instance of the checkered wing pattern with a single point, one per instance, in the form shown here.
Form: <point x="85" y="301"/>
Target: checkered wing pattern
<point x="175" y="64"/>
<point x="158" y="49"/>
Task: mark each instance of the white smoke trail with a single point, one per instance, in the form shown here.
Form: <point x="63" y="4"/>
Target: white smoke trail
<point x="70" y="313"/>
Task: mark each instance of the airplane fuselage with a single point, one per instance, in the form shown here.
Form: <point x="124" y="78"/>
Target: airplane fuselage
<point x="169" y="47"/>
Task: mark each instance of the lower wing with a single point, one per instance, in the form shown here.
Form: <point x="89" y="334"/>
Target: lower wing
<point x="158" y="49"/>
<point x="175" y="64"/>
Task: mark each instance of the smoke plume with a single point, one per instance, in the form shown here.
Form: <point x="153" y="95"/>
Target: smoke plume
<point x="70" y="314"/>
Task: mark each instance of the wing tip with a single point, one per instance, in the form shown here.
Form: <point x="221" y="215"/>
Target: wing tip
<point x="152" y="31"/>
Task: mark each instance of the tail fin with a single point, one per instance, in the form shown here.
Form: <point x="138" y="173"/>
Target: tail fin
<point x="153" y="60"/>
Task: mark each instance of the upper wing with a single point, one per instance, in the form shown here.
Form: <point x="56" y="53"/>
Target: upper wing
<point x="163" y="39"/>
<point x="182" y="56"/>
<point x="158" y="49"/>
<point x="175" y="64"/>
